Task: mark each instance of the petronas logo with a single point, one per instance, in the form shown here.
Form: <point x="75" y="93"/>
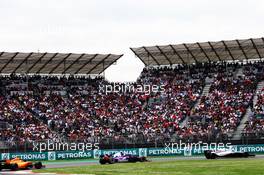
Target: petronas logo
<point x="5" y="156"/>
<point x="51" y="156"/>
<point x="97" y="153"/>
<point x="142" y="152"/>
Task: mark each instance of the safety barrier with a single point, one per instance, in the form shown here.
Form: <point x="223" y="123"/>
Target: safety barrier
<point x="166" y="151"/>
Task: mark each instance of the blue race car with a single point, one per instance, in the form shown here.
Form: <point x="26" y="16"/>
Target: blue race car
<point x="120" y="158"/>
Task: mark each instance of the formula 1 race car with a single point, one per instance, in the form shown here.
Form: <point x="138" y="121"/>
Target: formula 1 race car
<point x="18" y="164"/>
<point x="210" y="154"/>
<point x="120" y="158"/>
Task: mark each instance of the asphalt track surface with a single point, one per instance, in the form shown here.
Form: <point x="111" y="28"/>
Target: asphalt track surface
<point x="94" y="162"/>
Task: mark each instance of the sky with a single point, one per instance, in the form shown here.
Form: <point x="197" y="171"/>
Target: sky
<point x="113" y="26"/>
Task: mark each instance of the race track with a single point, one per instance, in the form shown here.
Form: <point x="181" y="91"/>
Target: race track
<point x="93" y="162"/>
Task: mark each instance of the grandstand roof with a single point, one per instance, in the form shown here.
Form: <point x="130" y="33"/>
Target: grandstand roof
<point x="201" y="52"/>
<point x="55" y="63"/>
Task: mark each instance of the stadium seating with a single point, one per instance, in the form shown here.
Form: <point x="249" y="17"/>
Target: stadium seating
<point x="255" y="126"/>
<point x="24" y="126"/>
<point x="74" y="108"/>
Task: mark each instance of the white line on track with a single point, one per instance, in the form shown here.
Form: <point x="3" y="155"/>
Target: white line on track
<point x="30" y="172"/>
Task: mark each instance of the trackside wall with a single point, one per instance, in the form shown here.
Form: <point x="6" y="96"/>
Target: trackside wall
<point x="166" y="151"/>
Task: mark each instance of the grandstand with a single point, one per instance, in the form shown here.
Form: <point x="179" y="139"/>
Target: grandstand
<point x="213" y="92"/>
<point x="226" y="66"/>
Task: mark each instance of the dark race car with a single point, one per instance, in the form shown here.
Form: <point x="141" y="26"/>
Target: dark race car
<point x="120" y="158"/>
<point x="211" y="154"/>
<point x="18" y="164"/>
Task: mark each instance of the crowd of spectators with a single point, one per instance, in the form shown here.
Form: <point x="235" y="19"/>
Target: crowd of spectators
<point x="23" y="126"/>
<point x="255" y="125"/>
<point x="74" y="108"/>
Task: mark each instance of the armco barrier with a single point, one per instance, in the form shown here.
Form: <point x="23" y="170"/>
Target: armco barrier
<point x="62" y="155"/>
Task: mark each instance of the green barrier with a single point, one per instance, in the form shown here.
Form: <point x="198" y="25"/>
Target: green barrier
<point x="62" y="155"/>
<point x="133" y="151"/>
<point x="259" y="148"/>
<point x="164" y="152"/>
<point x="70" y="155"/>
<point x="26" y="156"/>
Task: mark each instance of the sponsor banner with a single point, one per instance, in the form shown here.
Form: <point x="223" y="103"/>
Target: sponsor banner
<point x="74" y="155"/>
<point x="164" y="152"/>
<point x="29" y="156"/>
<point x="250" y="148"/>
<point x="134" y="151"/>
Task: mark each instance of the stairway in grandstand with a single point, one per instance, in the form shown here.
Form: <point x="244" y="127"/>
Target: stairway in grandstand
<point x="3" y="125"/>
<point x="3" y="145"/>
<point x="239" y="72"/>
<point x="184" y="122"/>
<point x="40" y="119"/>
<point x="238" y="132"/>
<point x="205" y="92"/>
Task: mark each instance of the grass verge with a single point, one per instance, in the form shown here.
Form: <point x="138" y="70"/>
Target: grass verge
<point x="177" y="167"/>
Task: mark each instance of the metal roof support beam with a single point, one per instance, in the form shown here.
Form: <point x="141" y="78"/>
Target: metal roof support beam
<point x="42" y="56"/>
<point x="29" y="55"/>
<point x="86" y="64"/>
<point x="262" y="39"/>
<point x="42" y="67"/>
<point x="98" y="63"/>
<point x="228" y="50"/>
<point x="203" y="51"/>
<point x="60" y="63"/>
<point x="212" y="47"/>
<point x="164" y="55"/>
<point x="1" y="53"/>
<point x="255" y="47"/>
<point x="151" y="55"/>
<point x="241" y="48"/>
<point x="110" y="64"/>
<point x="138" y="56"/>
<point x="174" y="50"/>
<point x="74" y="62"/>
<point x="9" y="61"/>
<point x="187" y="48"/>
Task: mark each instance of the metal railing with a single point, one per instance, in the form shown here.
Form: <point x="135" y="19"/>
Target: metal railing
<point x="158" y="140"/>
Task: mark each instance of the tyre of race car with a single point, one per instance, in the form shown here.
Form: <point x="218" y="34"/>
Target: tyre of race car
<point x="38" y="165"/>
<point x="111" y="161"/>
<point x="13" y="167"/>
<point x="132" y="159"/>
<point x="0" y="167"/>
<point x="102" y="161"/>
<point x="213" y="156"/>
<point x="30" y="166"/>
<point x="142" y="159"/>
<point x="246" y="154"/>
<point x="207" y="154"/>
